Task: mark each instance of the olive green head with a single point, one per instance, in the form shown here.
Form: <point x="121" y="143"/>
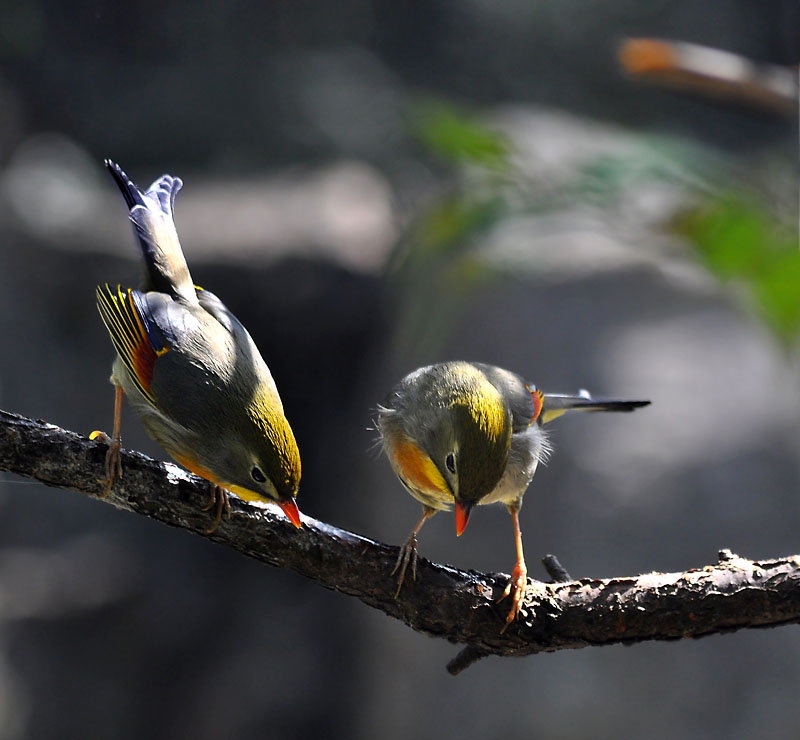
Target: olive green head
<point x="471" y="437"/>
<point x="258" y="458"/>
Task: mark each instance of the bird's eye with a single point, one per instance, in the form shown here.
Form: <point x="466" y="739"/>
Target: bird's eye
<point x="450" y="461"/>
<point x="258" y="476"/>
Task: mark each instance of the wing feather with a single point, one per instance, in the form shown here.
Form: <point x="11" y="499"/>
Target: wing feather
<point x="137" y="340"/>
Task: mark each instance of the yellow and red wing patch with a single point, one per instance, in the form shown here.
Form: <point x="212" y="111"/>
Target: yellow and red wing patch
<point x="126" y="325"/>
<point x="538" y="402"/>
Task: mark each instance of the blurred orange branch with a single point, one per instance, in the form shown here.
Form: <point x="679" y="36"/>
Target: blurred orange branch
<point x="711" y="72"/>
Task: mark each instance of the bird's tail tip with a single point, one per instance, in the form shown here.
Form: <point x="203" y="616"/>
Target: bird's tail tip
<point x="127" y="187"/>
<point x="162" y="191"/>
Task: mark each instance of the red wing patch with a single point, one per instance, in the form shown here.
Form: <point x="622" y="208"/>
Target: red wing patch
<point x="538" y="402"/>
<point x="126" y="326"/>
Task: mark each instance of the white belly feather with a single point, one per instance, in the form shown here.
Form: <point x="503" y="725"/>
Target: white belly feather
<point x="527" y="449"/>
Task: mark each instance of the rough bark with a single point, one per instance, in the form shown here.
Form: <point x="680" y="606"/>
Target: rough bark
<point x="457" y="605"/>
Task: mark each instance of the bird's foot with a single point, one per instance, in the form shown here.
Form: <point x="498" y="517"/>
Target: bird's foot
<point x="113" y="465"/>
<point x="407" y="554"/>
<point x="516" y="587"/>
<point x="218" y="497"/>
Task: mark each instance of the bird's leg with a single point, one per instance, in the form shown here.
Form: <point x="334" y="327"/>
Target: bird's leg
<point x="518" y="583"/>
<point x="408" y="552"/>
<point x="113" y="468"/>
<point x="218" y="497"/>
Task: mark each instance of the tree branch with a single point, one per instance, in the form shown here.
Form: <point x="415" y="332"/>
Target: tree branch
<point x="457" y="605"/>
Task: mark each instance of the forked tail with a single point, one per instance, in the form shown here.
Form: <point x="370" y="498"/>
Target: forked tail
<point x="151" y="214"/>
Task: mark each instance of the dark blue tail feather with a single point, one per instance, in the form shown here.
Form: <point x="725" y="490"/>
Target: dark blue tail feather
<point x="132" y="194"/>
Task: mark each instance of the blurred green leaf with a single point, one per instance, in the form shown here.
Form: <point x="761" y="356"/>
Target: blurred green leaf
<point x="454" y="135"/>
<point x="732" y="238"/>
<point x="452" y="222"/>
<point x="435" y="273"/>
<point x="777" y="290"/>
<point x="739" y="239"/>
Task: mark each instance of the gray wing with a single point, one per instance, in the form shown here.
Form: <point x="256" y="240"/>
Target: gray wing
<point x="213" y="305"/>
<point x="248" y="366"/>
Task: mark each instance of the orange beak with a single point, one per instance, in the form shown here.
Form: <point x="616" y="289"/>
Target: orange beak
<point x="462" y="517"/>
<point x="289" y="508"/>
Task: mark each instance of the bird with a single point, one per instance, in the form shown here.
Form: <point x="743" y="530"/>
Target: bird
<point x="460" y="434"/>
<point x="191" y="371"/>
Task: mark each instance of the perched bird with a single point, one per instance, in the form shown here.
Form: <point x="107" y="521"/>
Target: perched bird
<point x="191" y="371"/>
<point x="464" y="433"/>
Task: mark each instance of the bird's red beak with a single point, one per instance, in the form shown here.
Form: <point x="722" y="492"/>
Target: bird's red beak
<point x="289" y="508"/>
<point x="462" y="517"/>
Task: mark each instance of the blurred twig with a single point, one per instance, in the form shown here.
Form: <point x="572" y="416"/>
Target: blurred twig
<point x="712" y="73"/>
<point x="742" y="241"/>
<point x="444" y="602"/>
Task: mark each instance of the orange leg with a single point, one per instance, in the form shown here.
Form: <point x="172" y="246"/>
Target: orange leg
<point x="518" y="583"/>
<point x="113" y="468"/>
<point x="218" y="498"/>
<point x="408" y="552"/>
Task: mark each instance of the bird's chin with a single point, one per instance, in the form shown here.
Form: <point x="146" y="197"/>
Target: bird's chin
<point x="288" y="507"/>
<point x="247" y="495"/>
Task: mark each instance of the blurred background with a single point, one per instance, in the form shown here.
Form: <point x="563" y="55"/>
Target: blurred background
<point x="373" y="186"/>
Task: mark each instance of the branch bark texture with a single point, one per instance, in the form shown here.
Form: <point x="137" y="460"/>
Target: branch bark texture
<point x="457" y="605"/>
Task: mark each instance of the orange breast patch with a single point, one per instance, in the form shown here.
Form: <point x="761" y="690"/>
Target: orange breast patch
<point x="418" y="470"/>
<point x="194" y="467"/>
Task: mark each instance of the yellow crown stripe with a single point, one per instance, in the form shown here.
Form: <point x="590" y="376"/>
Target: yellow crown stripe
<point x="487" y="411"/>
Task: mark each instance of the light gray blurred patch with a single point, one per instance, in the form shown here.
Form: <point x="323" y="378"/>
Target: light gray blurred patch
<point x="347" y="96"/>
<point x="51" y="185"/>
<point x="81" y="575"/>
<point x="719" y="385"/>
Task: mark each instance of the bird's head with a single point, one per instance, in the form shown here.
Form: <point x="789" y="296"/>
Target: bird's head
<point x="469" y="443"/>
<point x="261" y="461"/>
